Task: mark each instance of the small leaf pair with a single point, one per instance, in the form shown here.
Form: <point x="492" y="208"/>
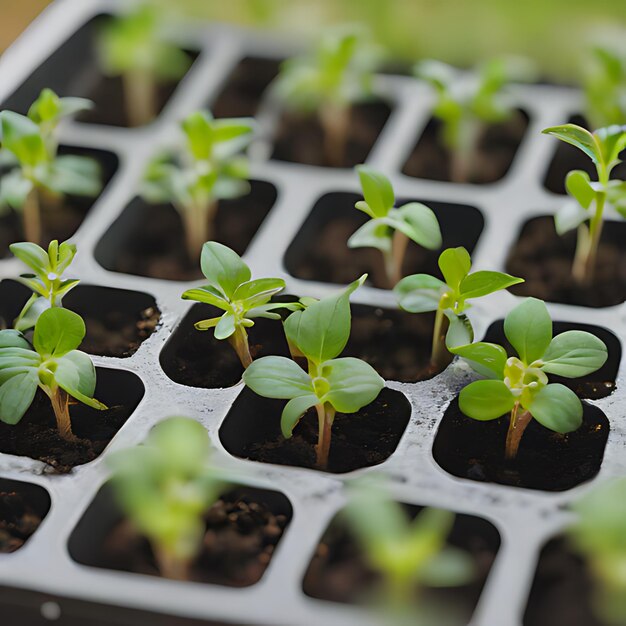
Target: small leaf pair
<point x="519" y="385"/>
<point x="52" y="364"/>
<point x="389" y="229"/>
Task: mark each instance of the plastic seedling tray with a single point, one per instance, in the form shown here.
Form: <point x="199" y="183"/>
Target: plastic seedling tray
<point x="50" y="577"/>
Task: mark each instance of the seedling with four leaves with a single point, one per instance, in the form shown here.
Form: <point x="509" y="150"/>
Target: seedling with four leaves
<point x="36" y="172"/>
<point x="345" y="385"/>
<point x="209" y="168"/>
<point x="164" y="487"/>
<point x="518" y="385"/>
<point x="53" y="364"/>
<point x="590" y="198"/>
<point x="421" y="293"/>
<point x="390" y="228"/>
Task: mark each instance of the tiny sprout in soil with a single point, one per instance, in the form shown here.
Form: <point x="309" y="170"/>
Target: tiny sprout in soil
<point x="209" y="168"/>
<point x="590" y="198"/>
<point x="319" y="332"/>
<point x="420" y="293"/>
<point x="52" y="363"/>
<point x="390" y="228"/>
<point x="165" y="487"/>
<point x="231" y="288"/>
<point x="35" y="171"/>
<point x="519" y="385"/>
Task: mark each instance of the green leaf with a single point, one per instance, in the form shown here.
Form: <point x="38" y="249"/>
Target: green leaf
<point x="207" y="324"/>
<point x="225" y="327"/>
<point x="13" y="339"/>
<point x="576" y="136"/>
<point x="223" y="268"/>
<point x="420" y="293"/>
<point x="76" y="374"/>
<point x="293" y="411"/>
<point x="486" y="400"/>
<point x="22" y="137"/>
<point x="30" y="254"/>
<point x="460" y="331"/>
<point x="451" y="567"/>
<point x="529" y="329"/>
<point x="14" y="188"/>
<point x="375" y="233"/>
<point x="235" y="128"/>
<point x="258" y="291"/>
<point x="455" y="264"/>
<point x="74" y="175"/>
<point x="488" y="359"/>
<point x="558" y="408"/>
<point x="198" y="128"/>
<point x="483" y="283"/>
<point x="418" y="222"/>
<point x="57" y="332"/>
<point x="612" y="141"/>
<point x="353" y="384"/>
<point x="208" y="295"/>
<point x="277" y="377"/>
<point x="377" y="190"/>
<point x="574" y="353"/>
<point x="577" y="183"/>
<point x="571" y="215"/>
<point x="16" y="395"/>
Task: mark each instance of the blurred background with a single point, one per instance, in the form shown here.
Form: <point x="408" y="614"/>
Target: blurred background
<point x="552" y="32"/>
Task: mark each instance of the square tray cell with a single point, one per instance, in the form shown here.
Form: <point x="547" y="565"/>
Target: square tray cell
<point x="319" y="251"/>
<point x="149" y="240"/>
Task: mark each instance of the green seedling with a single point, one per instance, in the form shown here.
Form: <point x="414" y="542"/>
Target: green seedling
<point x="598" y="535"/>
<point x="519" y="385"/>
<point x="467" y="103"/>
<point x="36" y="172"/>
<point x="52" y="364"/>
<point x="209" y="168"/>
<point x="46" y="282"/>
<point x="231" y="288"/>
<point x="408" y="554"/>
<point x="328" y="81"/>
<point x="421" y="293"/>
<point x="132" y="46"/>
<point x="605" y="86"/>
<point x="590" y="198"/>
<point x="320" y="333"/>
<point x="389" y="228"/>
<point x="165" y="487"/>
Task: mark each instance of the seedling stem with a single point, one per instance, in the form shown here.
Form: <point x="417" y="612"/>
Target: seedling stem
<point x="517" y="426"/>
<point x="325" y="417"/>
<point x="61" y="405"/>
<point x="32" y="217"/>
<point x="335" y="120"/>
<point x="139" y="94"/>
<point x="239" y="341"/>
<point x="439" y="356"/>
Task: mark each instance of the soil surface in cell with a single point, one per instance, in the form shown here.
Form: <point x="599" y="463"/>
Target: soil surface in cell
<point x="241" y="533"/>
<point x="18" y="520"/>
<point x="545" y="260"/>
<point x="242" y="93"/>
<point x="320" y="249"/>
<point x="60" y="216"/>
<point x="149" y="240"/>
<point x="339" y="571"/>
<point x="300" y="138"/>
<point x="252" y="430"/>
<point x="546" y="460"/>
<point x="496" y="149"/>
<point x="562" y="589"/>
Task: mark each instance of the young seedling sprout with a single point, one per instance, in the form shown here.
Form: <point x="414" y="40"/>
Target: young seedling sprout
<point x="52" y="364"/>
<point x="599" y="535"/>
<point x="519" y="385"/>
<point x="132" y="47"/>
<point x="390" y="228"/>
<point x="46" y="282"/>
<point x="421" y="293"/>
<point x="29" y="146"/>
<point x="209" y="168"/>
<point x="231" y="288"/>
<point x="409" y="554"/>
<point x="165" y="487"/>
<point x="319" y="332"/>
<point x="328" y="81"/>
<point x="590" y="198"/>
<point x="467" y="102"/>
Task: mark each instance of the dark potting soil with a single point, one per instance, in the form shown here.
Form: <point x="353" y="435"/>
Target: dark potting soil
<point x="149" y="240"/>
<point x="562" y="589"/>
<point x="37" y="437"/>
<point x="496" y="150"/>
<point x="18" y="520"/>
<point x="60" y="218"/>
<point x="546" y="460"/>
<point x="251" y="430"/>
<point x="300" y="138"/>
<point x="598" y="384"/>
<point x="544" y="260"/>
<point x="320" y="252"/>
<point x="339" y="571"/>
<point x="244" y="88"/>
<point x="567" y="158"/>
